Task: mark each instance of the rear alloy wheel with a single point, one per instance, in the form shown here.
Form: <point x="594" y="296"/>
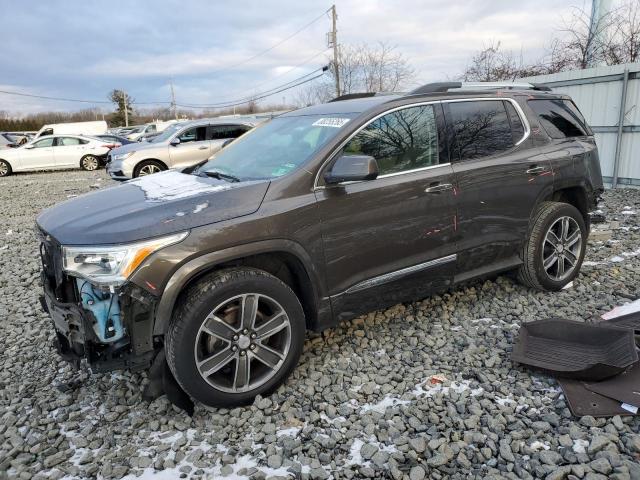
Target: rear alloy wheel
<point x="148" y="167"/>
<point x="5" y="168"/>
<point x="89" y="163"/>
<point x="236" y="334"/>
<point x="555" y="248"/>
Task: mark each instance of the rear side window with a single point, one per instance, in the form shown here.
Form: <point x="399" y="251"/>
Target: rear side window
<point x="560" y="118"/>
<point x="224" y="132"/>
<point x="481" y="128"/>
<point x="399" y="141"/>
<point x="68" y="141"/>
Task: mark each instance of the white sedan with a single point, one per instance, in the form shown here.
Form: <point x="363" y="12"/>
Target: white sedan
<point x="55" y="152"/>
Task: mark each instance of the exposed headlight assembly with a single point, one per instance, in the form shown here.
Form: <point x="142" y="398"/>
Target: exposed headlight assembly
<point x="122" y="156"/>
<point x="113" y="264"/>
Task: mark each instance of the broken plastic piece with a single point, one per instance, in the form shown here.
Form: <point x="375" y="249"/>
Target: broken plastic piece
<point x="623" y="388"/>
<point x="585" y="402"/>
<point x="437" y="379"/>
<point x="575" y="350"/>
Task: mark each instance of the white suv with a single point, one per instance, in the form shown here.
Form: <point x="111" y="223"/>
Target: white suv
<point x="180" y="145"/>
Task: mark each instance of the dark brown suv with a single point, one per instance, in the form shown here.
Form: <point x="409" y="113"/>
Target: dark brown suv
<point x="317" y="216"/>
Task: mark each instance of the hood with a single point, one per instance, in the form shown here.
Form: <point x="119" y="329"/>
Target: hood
<point x="136" y="146"/>
<point x="150" y="206"/>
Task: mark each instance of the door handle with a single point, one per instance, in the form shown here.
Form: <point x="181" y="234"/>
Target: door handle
<point x="203" y="148"/>
<point x="438" y="188"/>
<point x="537" y="170"/>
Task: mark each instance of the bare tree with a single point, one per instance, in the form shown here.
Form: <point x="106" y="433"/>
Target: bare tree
<point x="624" y="35"/>
<point x="361" y="68"/>
<point x="493" y="64"/>
<point x="580" y="43"/>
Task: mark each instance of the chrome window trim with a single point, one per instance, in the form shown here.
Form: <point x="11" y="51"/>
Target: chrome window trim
<point x="519" y="111"/>
<point x="396" y="274"/>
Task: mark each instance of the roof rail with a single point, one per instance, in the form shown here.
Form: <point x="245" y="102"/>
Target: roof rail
<point x="442" y="87"/>
<point x="351" y="96"/>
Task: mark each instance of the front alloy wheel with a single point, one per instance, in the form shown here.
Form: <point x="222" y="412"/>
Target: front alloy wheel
<point x="235" y="334"/>
<point x="242" y="343"/>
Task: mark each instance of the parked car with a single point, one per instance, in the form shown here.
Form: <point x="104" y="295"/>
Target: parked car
<point x="181" y="145"/>
<point x="116" y="140"/>
<point x="7" y="141"/>
<point x="53" y="153"/>
<point x="149" y="129"/>
<point x="77" y="128"/>
<point x="315" y="217"/>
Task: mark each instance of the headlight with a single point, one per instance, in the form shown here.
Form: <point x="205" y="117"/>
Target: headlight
<point x="122" y="156"/>
<point x="112" y="265"/>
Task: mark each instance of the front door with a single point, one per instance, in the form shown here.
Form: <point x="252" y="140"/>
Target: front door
<point x="38" y="155"/>
<point x="193" y="147"/>
<point x="500" y="181"/>
<point x="390" y="239"/>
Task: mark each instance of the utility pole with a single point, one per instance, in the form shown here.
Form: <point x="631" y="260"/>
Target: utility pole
<point x="126" y="108"/>
<point x="173" y="101"/>
<point x="333" y="41"/>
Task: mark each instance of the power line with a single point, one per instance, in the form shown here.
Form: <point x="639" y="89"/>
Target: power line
<point x="250" y="97"/>
<point x="280" y="75"/>
<point x="61" y="99"/>
<point x="273" y="46"/>
<point x="259" y="97"/>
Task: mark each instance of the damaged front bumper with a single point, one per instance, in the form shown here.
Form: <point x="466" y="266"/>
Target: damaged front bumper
<point x="83" y="332"/>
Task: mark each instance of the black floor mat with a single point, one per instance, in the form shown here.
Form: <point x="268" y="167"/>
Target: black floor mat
<point x="623" y="388"/>
<point x="575" y="350"/>
<point x="631" y="321"/>
<point x="585" y="402"/>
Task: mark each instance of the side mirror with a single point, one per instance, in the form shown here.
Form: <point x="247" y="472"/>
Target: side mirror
<point x="175" y="142"/>
<point x="352" y="168"/>
<point x="227" y="142"/>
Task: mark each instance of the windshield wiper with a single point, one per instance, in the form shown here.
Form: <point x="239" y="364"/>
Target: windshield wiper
<point x="219" y="175"/>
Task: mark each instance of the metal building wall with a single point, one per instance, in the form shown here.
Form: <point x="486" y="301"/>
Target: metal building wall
<point x="598" y="93"/>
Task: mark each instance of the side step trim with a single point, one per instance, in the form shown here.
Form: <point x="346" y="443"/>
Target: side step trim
<point x="388" y="277"/>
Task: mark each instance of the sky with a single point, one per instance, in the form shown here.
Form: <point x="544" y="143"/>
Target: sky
<point x="82" y="49"/>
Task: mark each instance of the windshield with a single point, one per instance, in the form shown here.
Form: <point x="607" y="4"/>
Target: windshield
<point x="277" y="147"/>
<point x="166" y="134"/>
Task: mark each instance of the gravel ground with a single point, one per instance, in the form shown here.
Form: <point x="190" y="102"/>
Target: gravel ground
<point x="359" y="405"/>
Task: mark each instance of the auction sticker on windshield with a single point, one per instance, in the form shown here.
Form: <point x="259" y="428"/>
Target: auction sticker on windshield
<point x="331" y="122"/>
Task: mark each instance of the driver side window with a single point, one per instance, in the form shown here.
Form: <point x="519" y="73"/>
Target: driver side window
<point x="399" y="141"/>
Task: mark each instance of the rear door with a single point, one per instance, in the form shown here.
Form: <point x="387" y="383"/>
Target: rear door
<point x="38" y="155"/>
<point x="220" y="134"/>
<point x="500" y="180"/>
<point x="390" y="239"/>
<point x="193" y="147"/>
<point x="68" y="151"/>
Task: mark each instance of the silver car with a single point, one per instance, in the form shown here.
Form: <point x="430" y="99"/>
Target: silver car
<point x="180" y="145"/>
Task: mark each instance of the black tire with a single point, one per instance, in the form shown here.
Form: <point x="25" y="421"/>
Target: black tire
<point x="145" y="165"/>
<point x="533" y="272"/>
<point x="90" y="163"/>
<point x="5" y="168"/>
<point x="184" y="339"/>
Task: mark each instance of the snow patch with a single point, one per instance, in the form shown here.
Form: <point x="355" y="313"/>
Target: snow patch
<point x="172" y="185"/>
<point x="383" y="404"/>
<point x="456" y="387"/>
<point x="580" y="446"/>
<point x="200" y="207"/>
<point x="537" y="446"/>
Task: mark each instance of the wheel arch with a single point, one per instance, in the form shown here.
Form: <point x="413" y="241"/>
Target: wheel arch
<point x="284" y="259"/>
<point x="573" y="195"/>
<point x="164" y="164"/>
